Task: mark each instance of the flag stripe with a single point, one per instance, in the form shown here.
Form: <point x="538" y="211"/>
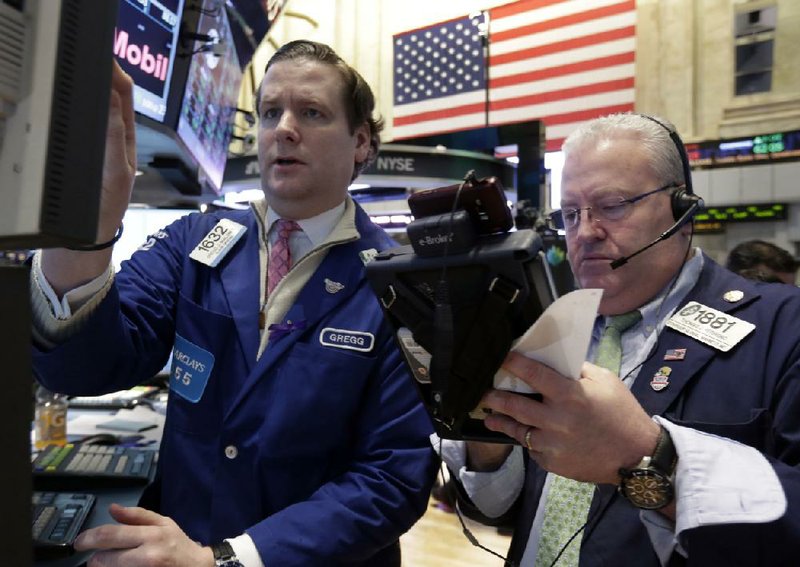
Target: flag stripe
<point x="441" y="125"/>
<point x="503" y="48"/>
<point x="547" y="110"/>
<point x="557" y="25"/>
<point x="564" y="60"/>
<point x="501" y="23"/>
<point x="561" y="46"/>
<point x="526" y="7"/>
<point x="440" y="113"/>
<point x="455" y="101"/>
<point x="563" y="94"/>
<point x="517" y="86"/>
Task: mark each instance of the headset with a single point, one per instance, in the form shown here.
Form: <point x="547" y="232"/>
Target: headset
<point x="683" y="201"/>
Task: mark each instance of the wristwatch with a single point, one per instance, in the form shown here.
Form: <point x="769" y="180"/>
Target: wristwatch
<point x="648" y="485"/>
<point x="224" y="555"/>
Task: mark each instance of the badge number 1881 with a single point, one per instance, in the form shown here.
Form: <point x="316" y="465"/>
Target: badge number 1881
<point x="714" y="328"/>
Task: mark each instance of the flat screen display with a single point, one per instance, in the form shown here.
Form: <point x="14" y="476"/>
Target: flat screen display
<point x="145" y="42"/>
<point x="210" y="98"/>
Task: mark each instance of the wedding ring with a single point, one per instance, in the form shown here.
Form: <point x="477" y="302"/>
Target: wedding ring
<point x="528" y="439"/>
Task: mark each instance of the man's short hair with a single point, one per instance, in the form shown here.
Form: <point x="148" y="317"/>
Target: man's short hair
<point x="359" y="101"/>
<point x="655" y="139"/>
<point x="752" y="254"/>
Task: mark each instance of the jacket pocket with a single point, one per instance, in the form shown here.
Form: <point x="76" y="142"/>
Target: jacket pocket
<point x="214" y="333"/>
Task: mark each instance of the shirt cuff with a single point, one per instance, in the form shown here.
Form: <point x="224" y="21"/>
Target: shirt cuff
<point x="492" y="492"/>
<point x="245" y="550"/>
<point x="54" y="320"/>
<point x="74" y="299"/>
<point x="721" y="481"/>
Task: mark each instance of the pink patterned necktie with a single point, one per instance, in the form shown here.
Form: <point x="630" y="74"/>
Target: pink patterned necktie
<point x="280" y="258"/>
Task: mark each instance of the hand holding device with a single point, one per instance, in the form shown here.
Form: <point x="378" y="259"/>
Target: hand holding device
<point x="67" y="269"/>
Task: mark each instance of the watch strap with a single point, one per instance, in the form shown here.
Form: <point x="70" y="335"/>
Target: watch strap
<point x="664" y="457"/>
<point x="223" y="554"/>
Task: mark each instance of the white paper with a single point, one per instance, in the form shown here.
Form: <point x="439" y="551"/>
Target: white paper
<point x="84" y="422"/>
<point x="559" y="338"/>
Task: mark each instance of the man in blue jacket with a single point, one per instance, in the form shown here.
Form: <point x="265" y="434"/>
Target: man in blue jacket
<point x="293" y="436"/>
<point x="700" y="426"/>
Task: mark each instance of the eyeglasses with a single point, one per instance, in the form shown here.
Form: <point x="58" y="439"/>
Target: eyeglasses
<point x="612" y="210"/>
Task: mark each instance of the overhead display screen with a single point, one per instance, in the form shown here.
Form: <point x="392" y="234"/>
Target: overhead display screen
<point x="763" y="148"/>
<point x="212" y="89"/>
<point x="145" y="42"/>
<point x="744" y="213"/>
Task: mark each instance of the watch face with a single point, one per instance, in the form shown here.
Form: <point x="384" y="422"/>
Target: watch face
<point x="647" y="489"/>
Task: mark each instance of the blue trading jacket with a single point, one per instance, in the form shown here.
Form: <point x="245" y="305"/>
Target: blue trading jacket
<point x="319" y="452"/>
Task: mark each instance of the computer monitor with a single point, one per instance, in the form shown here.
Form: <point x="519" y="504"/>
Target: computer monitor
<point x="210" y="98"/>
<point x="55" y="58"/>
<point x="54" y="93"/>
<point x="146" y="45"/>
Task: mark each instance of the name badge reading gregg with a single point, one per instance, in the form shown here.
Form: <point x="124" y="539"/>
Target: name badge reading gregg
<point x="351" y="340"/>
<point x="216" y="244"/>
<point x="709" y="326"/>
<point x="191" y="368"/>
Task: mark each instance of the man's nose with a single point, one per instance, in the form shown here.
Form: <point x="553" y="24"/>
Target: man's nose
<point x="587" y="227"/>
<point x="287" y="127"/>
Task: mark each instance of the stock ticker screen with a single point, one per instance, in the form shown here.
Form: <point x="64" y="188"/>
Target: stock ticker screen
<point x="763" y="148"/>
<point x="753" y="150"/>
<point x="212" y="91"/>
<point x="145" y="42"/>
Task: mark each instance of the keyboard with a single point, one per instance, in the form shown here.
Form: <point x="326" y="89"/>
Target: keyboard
<point x="126" y="399"/>
<point x="58" y="518"/>
<point x="76" y="467"/>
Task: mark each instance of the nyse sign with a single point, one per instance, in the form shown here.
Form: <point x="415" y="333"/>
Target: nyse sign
<point x="427" y="162"/>
<point x="392" y="164"/>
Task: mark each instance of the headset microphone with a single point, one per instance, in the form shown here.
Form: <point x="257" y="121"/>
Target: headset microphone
<point x="696" y="203"/>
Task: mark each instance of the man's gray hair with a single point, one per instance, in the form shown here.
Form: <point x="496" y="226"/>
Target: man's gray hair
<point x="655" y="139"/>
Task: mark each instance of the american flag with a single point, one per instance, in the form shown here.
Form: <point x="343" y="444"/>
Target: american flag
<point x="439" y="78"/>
<point x="560" y="61"/>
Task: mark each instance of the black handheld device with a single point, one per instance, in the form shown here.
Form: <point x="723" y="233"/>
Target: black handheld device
<point x="483" y="201"/>
<point x="456" y="314"/>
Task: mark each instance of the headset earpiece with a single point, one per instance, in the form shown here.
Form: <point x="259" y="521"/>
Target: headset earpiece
<point x="682" y="201"/>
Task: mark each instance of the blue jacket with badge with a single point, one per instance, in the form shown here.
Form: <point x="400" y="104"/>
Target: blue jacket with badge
<point x="750" y="394"/>
<point x="319" y="451"/>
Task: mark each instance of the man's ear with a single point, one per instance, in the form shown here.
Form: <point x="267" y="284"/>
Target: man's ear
<point x="362" y="143"/>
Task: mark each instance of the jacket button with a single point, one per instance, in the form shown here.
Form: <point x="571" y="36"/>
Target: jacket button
<point x="231" y="452"/>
